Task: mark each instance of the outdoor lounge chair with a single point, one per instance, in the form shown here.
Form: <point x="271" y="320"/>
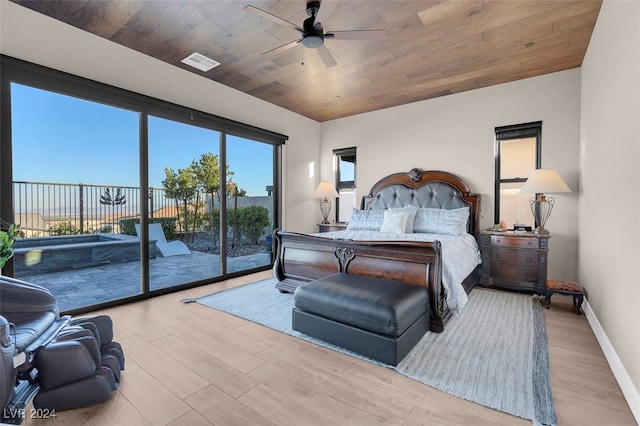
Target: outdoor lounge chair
<point x="166" y="249"/>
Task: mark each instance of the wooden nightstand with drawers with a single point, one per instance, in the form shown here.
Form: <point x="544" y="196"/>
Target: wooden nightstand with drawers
<point x="330" y="227"/>
<point x="514" y="261"/>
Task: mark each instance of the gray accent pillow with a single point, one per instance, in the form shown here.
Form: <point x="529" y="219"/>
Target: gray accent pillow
<point x="441" y="221"/>
<point x="365" y="220"/>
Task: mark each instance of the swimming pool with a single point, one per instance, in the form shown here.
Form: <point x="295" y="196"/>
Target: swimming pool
<point x="40" y="255"/>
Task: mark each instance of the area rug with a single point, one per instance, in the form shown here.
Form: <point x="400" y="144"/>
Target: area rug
<point x="494" y="353"/>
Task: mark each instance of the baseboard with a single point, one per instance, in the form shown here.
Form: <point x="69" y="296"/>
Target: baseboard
<point x="630" y="392"/>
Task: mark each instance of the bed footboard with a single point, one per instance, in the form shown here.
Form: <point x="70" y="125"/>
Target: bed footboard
<point x="301" y="258"/>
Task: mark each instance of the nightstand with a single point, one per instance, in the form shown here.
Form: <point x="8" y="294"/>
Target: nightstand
<point x="328" y="227"/>
<point x="514" y="261"/>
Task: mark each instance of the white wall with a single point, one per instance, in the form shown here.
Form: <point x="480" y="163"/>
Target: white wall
<point x="456" y="133"/>
<point x="610" y="186"/>
<point x="36" y="38"/>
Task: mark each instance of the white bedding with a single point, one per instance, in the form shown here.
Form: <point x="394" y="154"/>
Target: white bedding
<point x="460" y="255"/>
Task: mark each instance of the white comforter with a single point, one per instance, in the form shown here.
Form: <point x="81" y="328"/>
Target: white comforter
<point x="460" y="255"/>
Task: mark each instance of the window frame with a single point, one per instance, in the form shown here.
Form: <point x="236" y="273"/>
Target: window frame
<point x="338" y="154"/>
<point x="340" y="184"/>
<point x="22" y="72"/>
<point x="505" y="133"/>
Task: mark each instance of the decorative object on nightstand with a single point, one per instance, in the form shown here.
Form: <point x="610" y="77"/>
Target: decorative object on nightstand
<point x="567" y="288"/>
<point x="325" y="191"/>
<point x="514" y="261"/>
<point x="540" y="182"/>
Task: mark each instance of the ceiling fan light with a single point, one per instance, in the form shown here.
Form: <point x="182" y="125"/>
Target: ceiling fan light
<point x="313" y="41"/>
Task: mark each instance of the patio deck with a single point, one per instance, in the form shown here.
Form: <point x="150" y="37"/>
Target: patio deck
<point x="89" y="286"/>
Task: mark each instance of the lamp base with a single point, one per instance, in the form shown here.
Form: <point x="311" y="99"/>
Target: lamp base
<point x="325" y="208"/>
<point x="541" y="208"/>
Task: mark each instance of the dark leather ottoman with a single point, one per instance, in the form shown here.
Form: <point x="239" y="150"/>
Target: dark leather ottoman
<point x="377" y="318"/>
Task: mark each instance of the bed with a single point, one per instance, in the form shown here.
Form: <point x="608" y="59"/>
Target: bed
<point x="424" y="258"/>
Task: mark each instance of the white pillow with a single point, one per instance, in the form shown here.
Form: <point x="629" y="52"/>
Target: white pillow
<point x="441" y="221"/>
<point x="395" y="222"/>
<point x="366" y="220"/>
<point x="412" y="210"/>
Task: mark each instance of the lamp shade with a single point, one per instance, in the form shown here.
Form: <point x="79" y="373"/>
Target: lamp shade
<point x="544" y="181"/>
<point x="325" y="190"/>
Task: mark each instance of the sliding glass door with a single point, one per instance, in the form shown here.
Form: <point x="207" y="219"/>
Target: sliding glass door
<point x="184" y="203"/>
<point x="78" y="199"/>
<point x="75" y="181"/>
<point x="250" y="203"/>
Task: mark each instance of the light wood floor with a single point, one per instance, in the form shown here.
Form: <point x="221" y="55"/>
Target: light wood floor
<point x="191" y="365"/>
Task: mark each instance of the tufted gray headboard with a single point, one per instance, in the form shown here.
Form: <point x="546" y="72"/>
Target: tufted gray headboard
<point x="432" y="189"/>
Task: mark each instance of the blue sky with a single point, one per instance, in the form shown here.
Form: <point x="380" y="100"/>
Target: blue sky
<point x="62" y="139"/>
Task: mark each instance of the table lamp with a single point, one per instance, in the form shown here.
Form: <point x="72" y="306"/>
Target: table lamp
<point x="540" y="182"/>
<point x="325" y="191"/>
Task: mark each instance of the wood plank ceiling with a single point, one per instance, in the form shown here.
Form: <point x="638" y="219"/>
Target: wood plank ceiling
<point x="430" y="48"/>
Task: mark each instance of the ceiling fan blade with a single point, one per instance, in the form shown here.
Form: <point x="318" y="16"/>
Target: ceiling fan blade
<point x="326" y="56"/>
<point x="326" y="7"/>
<point x="281" y="49"/>
<point x="271" y="17"/>
<point x="356" y="35"/>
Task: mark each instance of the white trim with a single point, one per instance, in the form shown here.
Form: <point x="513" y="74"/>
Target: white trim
<point x="631" y="394"/>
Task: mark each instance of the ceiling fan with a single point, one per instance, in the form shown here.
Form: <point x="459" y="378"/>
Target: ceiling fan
<point x="313" y="31"/>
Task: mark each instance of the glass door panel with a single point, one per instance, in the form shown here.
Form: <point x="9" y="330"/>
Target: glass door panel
<point x="250" y="203"/>
<point x="75" y="184"/>
<point x="184" y="203"/>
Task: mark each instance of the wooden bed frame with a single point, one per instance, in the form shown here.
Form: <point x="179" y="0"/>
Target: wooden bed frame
<point x="301" y="258"/>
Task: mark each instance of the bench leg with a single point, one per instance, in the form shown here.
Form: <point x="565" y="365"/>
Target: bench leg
<point x="577" y="302"/>
<point x="547" y="299"/>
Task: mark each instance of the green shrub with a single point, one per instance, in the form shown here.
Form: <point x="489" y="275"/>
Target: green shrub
<point x="64" y="228"/>
<point x="106" y="229"/>
<point x="7" y="240"/>
<point x="252" y="221"/>
<point x="127" y="226"/>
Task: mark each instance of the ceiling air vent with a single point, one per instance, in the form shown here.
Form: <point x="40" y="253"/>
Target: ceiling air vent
<point x="199" y="61"/>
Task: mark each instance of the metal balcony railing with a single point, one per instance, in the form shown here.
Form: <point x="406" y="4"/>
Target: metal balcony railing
<point x="45" y="208"/>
